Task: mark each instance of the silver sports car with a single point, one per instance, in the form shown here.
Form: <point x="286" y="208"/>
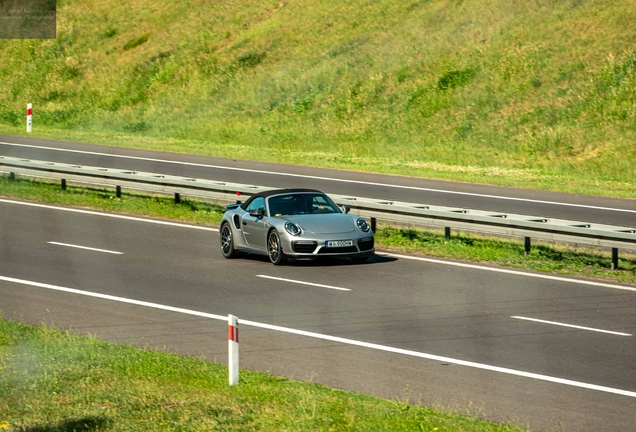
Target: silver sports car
<point x="294" y="223"/>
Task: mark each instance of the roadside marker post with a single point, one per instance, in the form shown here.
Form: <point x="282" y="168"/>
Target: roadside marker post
<point x="29" y="117"/>
<point x="233" y="348"/>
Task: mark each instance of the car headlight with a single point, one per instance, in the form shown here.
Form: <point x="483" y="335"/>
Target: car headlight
<point x="293" y="229"/>
<point x="363" y="225"/>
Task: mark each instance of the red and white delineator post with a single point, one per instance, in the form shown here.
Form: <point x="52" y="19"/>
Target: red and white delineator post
<point x="29" y="117"/>
<point x="233" y="348"/>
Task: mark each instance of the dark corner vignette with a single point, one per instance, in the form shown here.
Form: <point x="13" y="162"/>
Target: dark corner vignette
<point x="27" y="19"/>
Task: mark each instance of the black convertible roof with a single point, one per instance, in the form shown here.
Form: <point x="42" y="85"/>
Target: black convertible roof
<point x="272" y="192"/>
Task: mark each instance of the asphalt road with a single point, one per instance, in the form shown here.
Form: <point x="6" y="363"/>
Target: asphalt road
<point x="434" y="192"/>
<point x="496" y="366"/>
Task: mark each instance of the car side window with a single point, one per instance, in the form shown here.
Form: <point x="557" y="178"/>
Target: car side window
<point x="257" y="204"/>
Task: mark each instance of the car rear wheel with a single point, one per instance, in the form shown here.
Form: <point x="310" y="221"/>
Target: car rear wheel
<point x="274" y="248"/>
<point x="227" y="242"/>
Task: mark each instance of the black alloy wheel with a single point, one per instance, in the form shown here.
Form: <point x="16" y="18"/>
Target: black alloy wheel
<point x="274" y="248"/>
<point x="227" y="242"/>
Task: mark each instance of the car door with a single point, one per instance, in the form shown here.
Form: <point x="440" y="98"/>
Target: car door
<point x="254" y="227"/>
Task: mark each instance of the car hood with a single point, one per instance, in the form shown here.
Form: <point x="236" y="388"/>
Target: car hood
<point x="324" y="223"/>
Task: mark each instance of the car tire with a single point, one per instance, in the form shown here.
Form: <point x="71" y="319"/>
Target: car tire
<point x="359" y="259"/>
<point x="227" y="241"/>
<point x="275" y="249"/>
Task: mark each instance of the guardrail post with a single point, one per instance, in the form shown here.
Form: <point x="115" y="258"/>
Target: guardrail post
<point x="447" y="232"/>
<point x="63" y="184"/>
<point x="374" y="224"/>
<point x="614" y="258"/>
<point x="118" y="191"/>
<point x="11" y="176"/>
<point x="526" y="246"/>
<point x="233" y="348"/>
<point x="177" y="198"/>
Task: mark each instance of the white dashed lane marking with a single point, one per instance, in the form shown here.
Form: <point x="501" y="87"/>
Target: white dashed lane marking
<point x="570" y="326"/>
<point x="85" y="248"/>
<point x="303" y="283"/>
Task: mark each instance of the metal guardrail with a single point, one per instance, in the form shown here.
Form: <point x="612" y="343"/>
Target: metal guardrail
<point x="497" y="223"/>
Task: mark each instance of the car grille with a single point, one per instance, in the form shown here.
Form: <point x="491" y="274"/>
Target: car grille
<point x="304" y="246"/>
<point x="366" y="243"/>
<point x="336" y="250"/>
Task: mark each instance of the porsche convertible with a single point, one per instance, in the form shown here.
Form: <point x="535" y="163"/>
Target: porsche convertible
<point x="296" y="224"/>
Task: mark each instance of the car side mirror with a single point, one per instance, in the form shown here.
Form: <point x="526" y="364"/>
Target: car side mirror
<point x="346" y="209"/>
<point x="256" y="213"/>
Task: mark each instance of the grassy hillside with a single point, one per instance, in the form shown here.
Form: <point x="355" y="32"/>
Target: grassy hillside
<point x="528" y="93"/>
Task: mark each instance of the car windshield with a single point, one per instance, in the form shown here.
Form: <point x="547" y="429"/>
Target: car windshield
<point x="301" y="203"/>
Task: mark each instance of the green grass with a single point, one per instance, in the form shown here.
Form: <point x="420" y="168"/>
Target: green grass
<point x="139" y="40"/>
<point x="529" y="94"/>
<point x="555" y="258"/>
<point x="104" y="199"/>
<point x="56" y="381"/>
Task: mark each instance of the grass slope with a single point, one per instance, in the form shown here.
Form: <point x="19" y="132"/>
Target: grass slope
<point x="527" y="93"/>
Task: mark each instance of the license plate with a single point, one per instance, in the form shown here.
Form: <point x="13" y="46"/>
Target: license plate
<point x="339" y="243"/>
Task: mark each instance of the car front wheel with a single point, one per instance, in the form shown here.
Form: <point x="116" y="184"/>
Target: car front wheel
<point x="274" y="248"/>
<point x="227" y="242"/>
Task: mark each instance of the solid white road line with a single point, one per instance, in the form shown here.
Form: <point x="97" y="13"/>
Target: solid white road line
<point x="514" y="272"/>
<point x="116" y="216"/>
<point x="113" y="298"/>
<point x="87" y="248"/>
<point x="570" y="325"/>
<point x="415" y="258"/>
<point x="442" y="359"/>
<point x="303" y="283"/>
<point x="324" y="178"/>
<point x="335" y="339"/>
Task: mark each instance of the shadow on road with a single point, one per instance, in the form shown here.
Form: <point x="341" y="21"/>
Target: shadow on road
<point x="324" y="261"/>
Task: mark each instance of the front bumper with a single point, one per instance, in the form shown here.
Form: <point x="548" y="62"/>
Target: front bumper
<point x="307" y="248"/>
